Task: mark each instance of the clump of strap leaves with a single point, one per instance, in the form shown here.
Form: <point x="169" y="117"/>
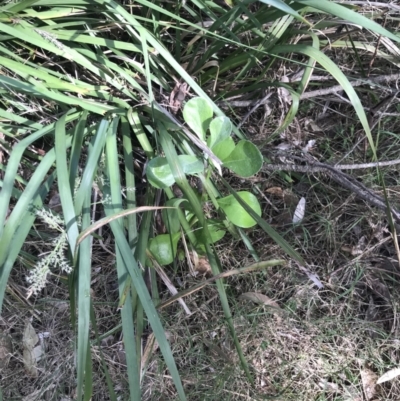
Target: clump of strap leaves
<point x="80" y="82"/>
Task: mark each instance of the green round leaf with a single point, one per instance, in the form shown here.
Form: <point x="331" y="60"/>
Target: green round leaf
<point x="215" y="229"/>
<point x="224" y="148"/>
<point x="198" y="114"/>
<point x="220" y="129"/>
<point x="163" y="248"/>
<point x="159" y="173"/>
<point x="245" y="160"/>
<point x="236" y="213"/>
<point x="191" y="164"/>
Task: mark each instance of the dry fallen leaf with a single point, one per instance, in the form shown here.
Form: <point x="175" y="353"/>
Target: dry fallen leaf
<point x="258" y="298"/>
<point x="30" y="362"/>
<point x="368" y="378"/>
<point x="178" y="96"/>
<point x="283" y="93"/>
<point x="312" y="276"/>
<point x="30" y="338"/>
<point x="38" y="352"/>
<point x="300" y="211"/>
<point x="277" y="191"/>
<point x="203" y="267"/>
<point x="389" y="375"/>
<point x="31" y="354"/>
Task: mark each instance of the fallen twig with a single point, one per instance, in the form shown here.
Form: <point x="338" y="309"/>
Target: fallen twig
<point x="318" y="92"/>
<point x="345" y="180"/>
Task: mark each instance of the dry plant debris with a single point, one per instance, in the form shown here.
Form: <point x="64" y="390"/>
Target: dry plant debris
<point x="32" y="352"/>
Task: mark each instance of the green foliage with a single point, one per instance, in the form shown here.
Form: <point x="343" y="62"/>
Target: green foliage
<point x="198" y="114"/>
<point x="163" y="248"/>
<point x="216" y="230"/>
<point x="220" y="129"/>
<point x="102" y="89"/>
<point x="245" y="159"/>
<point x="171" y="216"/>
<point x="224" y="148"/>
<point x="236" y="213"/>
<point x="159" y="172"/>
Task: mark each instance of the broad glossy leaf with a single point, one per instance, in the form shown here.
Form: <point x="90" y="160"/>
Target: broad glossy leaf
<point x="159" y="173"/>
<point x="216" y="232"/>
<point x="224" y="148"/>
<point x="215" y="229"/>
<point x="245" y="160"/>
<point x="220" y="129"/>
<point x="191" y="164"/>
<point x="163" y="248"/>
<point x="236" y="213"/>
<point x="198" y="114"/>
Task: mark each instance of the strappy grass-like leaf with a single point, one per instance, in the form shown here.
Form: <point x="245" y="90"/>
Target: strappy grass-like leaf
<point x="113" y="190"/>
<point x="332" y="68"/>
<point x="180" y="179"/>
<point x="345" y="13"/>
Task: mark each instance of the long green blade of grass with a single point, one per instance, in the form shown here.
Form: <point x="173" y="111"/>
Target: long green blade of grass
<point x="334" y="70"/>
<point x="331" y="7"/>
<point x="91" y="166"/>
<point x="151" y="313"/>
<point x="180" y="179"/>
<point x="65" y="191"/>
<point x="115" y="205"/>
<point x="12" y="168"/>
<point x="128" y="264"/>
<point x="83" y="359"/>
<point x="21" y="233"/>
